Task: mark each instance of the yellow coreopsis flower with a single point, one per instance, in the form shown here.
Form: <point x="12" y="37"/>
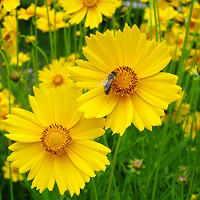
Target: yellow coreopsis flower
<point x="55" y="24"/>
<point x="9" y="4"/>
<point x="94" y="9"/>
<point x="191" y="124"/>
<point x="57" y="75"/>
<point x="4" y="105"/>
<point x="22" y="57"/>
<point x="55" y="143"/>
<point x="16" y="176"/>
<point x="123" y="73"/>
<point x="3" y="12"/>
<point x="26" y="13"/>
<point x="165" y="15"/>
<point x="166" y="3"/>
<point x="9" y="33"/>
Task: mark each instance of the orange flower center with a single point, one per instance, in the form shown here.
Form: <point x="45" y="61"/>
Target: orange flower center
<point x="90" y="3"/>
<point x="125" y="82"/>
<point x="55" y="139"/>
<point x="14" y="170"/>
<point x="57" y="79"/>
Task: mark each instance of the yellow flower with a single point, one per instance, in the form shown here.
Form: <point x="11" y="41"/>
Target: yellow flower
<point x="191" y="124"/>
<point x="16" y="176"/>
<point x="4" y="106"/>
<point x="9" y="33"/>
<point x="9" y="4"/>
<point x="22" y="57"/>
<point x="55" y="143"/>
<point x="43" y="24"/>
<point x="94" y="9"/>
<point x="194" y="197"/>
<point x="26" y="13"/>
<point x="57" y="75"/>
<point x="71" y="58"/>
<point x="3" y="12"/>
<point x="166" y="3"/>
<point x="165" y="15"/>
<point x="30" y="39"/>
<point x="124" y="76"/>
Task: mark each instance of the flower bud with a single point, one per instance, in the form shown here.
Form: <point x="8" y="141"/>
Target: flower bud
<point x="198" y="70"/>
<point x="182" y="179"/>
<point x="15" y="76"/>
<point x="137" y="164"/>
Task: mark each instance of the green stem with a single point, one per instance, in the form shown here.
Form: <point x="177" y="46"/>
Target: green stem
<point x="181" y="68"/>
<point x="55" y="32"/>
<point x="151" y="30"/>
<point x="50" y="33"/>
<point x="154" y="8"/>
<point x="160" y="34"/>
<point x="95" y="189"/>
<point x="66" y="42"/>
<point x="35" y="49"/>
<point x="17" y="38"/>
<point x="157" y="164"/>
<point x="113" y="168"/>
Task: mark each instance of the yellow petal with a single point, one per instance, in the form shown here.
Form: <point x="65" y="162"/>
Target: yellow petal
<point x="87" y="129"/>
<point x="121" y="116"/>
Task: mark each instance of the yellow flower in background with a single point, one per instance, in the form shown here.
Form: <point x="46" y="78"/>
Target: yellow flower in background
<point x="30" y="39"/>
<point x="165" y="15"/>
<point x="57" y="75"/>
<point x="9" y="33"/>
<point x="191" y="124"/>
<point x="55" y="24"/>
<point x="16" y="176"/>
<point x="92" y="9"/>
<point x="193" y="60"/>
<point x="55" y="143"/>
<point x="175" y="37"/>
<point x="166" y="3"/>
<point x="123" y="75"/>
<point x="194" y="197"/>
<point x="71" y="58"/>
<point x="3" y="12"/>
<point x="4" y="105"/>
<point x="26" y="13"/>
<point x="9" y="5"/>
<point x="22" y="58"/>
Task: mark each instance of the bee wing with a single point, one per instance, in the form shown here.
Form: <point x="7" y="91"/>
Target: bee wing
<point x="101" y="82"/>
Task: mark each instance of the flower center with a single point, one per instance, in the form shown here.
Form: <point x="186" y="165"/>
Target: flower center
<point x="57" y="79"/>
<point x="125" y="82"/>
<point x="55" y="139"/>
<point x="14" y="170"/>
<point x="90" y="3"/>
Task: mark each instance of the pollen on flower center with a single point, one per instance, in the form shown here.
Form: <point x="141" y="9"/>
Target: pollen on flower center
<point x="55" y="139"/>
<point x="125" y="82"/>
<point x="90" y="3"/>
<point x="57" y="79"/>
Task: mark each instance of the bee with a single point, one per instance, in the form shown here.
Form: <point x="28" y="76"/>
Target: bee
<point x="107" y="82"/>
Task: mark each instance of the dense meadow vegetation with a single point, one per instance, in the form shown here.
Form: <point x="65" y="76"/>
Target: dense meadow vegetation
<point x="99" y="99"/>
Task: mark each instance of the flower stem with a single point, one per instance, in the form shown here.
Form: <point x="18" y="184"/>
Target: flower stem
<point x="95" y="190"/>
<point x="154" y="8"/>
<point x="50" y="32"/>
<point x="113" y="168"/>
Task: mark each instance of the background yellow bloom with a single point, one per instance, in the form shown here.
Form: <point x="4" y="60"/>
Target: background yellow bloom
<point x="92" y="9"/>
